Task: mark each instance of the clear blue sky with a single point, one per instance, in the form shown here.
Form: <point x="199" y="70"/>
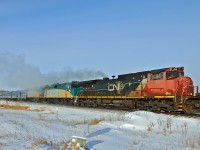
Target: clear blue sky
<point x="114" y="36"/>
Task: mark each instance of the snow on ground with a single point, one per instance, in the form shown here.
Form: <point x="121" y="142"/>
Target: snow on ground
<point x="104" y="129"/>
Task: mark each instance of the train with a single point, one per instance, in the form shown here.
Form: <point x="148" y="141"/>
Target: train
<point x="166" y="89"/>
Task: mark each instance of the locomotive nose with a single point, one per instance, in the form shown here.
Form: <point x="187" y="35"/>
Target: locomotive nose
<point x="190" y="86"/>
<point x="187" y="86"/>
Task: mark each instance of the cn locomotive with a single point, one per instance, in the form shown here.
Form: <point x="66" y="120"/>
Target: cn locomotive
<point x="166" y="89"/>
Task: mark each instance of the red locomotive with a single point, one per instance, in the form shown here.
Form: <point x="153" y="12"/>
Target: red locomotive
<point x="171" y="86"/>
<point x="170" y="82"/>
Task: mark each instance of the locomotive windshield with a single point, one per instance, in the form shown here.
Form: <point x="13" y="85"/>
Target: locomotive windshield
<point x="173" y="75"/>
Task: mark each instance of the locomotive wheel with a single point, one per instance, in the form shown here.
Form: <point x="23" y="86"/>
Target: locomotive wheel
<point x="94" y="104"/>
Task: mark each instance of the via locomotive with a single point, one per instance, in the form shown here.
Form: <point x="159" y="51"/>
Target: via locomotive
<point x="164" y="89"/>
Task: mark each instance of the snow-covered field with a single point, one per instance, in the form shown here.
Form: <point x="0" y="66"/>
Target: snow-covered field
<point x="54" y="126"/>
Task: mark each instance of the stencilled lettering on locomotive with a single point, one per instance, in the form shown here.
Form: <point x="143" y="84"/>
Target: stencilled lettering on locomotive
<point x="118" y="87"/>
<point x="112" y="87"/>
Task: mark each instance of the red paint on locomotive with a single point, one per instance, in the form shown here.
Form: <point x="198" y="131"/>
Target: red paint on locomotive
<point x="171" y="82"/>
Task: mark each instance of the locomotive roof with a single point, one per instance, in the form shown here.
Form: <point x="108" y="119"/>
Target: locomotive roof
<point x="144" y="72"/>
<point x="90" y="81"/>
<point x="119" y="76"/>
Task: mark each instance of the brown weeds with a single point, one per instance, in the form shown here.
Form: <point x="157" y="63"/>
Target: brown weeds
<point x="94" y="122"/>
<point x="88" y="122"/>
<point x="14" y="107"/>
<point x="20" y="107"/>
<point x="149" y="129"/>
<point x="40" y="142"/>
<point x="38" y="109"/>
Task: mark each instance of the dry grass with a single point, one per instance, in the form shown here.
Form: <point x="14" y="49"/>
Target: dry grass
<point x="8" y="136"/>
<point x="73" y="145"/>
<point x="20" y="107"/>
<point x="79" y="122"/>
<point x="2" y="145"/>
<point x="88" y="122"/>
<point x="149" y="129"/>
<point x="164" y="126"/>
<point x="40" y="142"/>
<point x="193" y="142"/>
<point x="95" y="121"/>
<point x="150" y="126"/>
<point x="120" y="117"/>
<point x="3" y="136"/>
<point x="38" y="109"/>
<point x="14" y="107"/>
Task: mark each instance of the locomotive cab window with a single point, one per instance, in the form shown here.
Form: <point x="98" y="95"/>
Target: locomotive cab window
<point x="173" y="75"/>
<point x="157" y="76"/>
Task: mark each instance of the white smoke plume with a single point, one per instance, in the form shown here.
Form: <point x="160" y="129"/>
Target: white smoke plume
<point x="15" y="73"/>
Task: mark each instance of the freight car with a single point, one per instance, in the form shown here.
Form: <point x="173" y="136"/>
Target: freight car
<point x="164" y="89"/>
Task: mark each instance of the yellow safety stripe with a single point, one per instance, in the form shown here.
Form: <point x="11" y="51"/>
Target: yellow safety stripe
<point x="111" y="97"/>
<point x="163" y="96"/>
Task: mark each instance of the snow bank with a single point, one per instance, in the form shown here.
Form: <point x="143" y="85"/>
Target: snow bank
<point x="55" y="125"/>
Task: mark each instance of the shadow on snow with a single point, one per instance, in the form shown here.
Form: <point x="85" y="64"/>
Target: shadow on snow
<point x="96" y="133"/>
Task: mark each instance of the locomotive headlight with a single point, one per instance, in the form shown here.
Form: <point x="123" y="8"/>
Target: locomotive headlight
<point x="168" y="93"/>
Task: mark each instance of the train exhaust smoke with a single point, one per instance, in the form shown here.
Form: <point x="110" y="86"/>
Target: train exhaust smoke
<point x="15" y="73"/>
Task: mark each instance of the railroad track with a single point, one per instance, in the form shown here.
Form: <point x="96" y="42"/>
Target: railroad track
<point x="190" y="115"/>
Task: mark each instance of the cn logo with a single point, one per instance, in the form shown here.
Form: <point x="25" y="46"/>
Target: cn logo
<point x="112" y="87"/>
<point x="118" y="87"/>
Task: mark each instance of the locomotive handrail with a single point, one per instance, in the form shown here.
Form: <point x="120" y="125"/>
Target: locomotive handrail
<point x="156" y="88"/>
<point x="175" y="95"/>
<point x="197" y="90"/>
